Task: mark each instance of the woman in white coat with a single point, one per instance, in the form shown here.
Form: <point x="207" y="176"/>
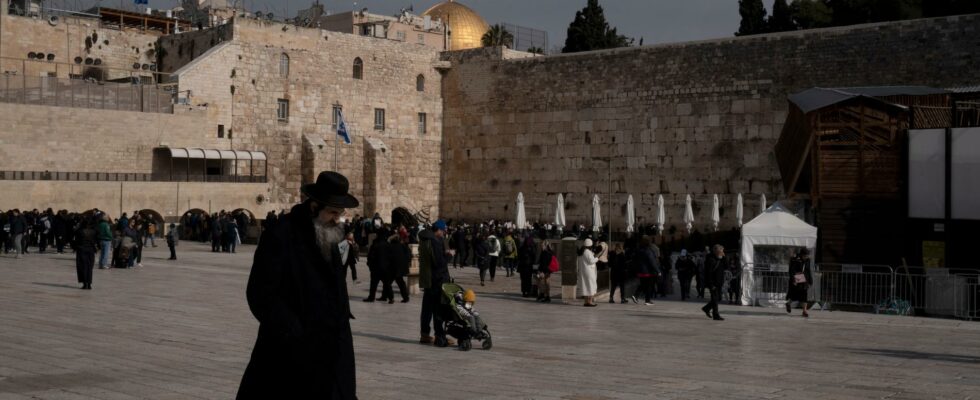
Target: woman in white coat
<point x="586" y="265"/>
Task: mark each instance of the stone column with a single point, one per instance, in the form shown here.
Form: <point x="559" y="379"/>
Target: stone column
<point x="567" y="256"/>
<point x="413" y="271"/>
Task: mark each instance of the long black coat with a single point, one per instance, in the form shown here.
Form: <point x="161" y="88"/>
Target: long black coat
<point x="400" y="259"/>
<point x="714" y="271"/>
<point x="304" y="347"/>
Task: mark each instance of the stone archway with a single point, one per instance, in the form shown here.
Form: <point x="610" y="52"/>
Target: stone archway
<point x="248" y="225"/>
<point x="157" y="219"/>
<point x="193" y="225"/>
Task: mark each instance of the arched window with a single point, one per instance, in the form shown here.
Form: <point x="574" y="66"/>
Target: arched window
<point x="358" y="68"/>
<point x="420" y="83"/>
<point x="284" y="65"/>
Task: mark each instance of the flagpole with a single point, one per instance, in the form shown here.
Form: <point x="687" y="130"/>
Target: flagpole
<point x="336" y="149"/>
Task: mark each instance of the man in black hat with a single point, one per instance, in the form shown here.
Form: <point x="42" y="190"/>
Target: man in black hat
<point x="298" y="293"/>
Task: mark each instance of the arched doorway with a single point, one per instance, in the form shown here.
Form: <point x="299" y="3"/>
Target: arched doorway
<point x="154" y="217"/>
<point x="194" y="224"/>
<point x="248" y="226"/>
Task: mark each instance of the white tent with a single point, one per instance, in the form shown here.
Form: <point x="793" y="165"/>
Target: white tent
<point x="521" y="219"/>
<point x="774" y="227"/>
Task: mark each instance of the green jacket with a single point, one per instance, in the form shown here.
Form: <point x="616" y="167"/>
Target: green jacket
<point x="103" y="231"/>
<point x="513" y="244"/>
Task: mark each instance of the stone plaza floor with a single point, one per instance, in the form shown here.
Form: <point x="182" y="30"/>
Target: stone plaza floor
<point x="182" y="330"/>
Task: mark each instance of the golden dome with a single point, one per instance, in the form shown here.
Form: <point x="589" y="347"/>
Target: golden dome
<point x="466" y="27"/>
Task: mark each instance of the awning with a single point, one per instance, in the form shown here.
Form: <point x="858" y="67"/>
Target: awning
<point x="214" y="154"/>
<point x="195" y="153"/>
<point x="178" y="153"/>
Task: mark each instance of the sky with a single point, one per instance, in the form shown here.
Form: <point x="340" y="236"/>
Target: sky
<point x="656" y="21"/>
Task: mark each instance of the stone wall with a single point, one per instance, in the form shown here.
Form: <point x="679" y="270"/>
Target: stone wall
<point x="73" y="37"/>
<point x="42" y="138"/>
<point x="697" y="118"/>
<point x="169" y="199"/>
<point x="320" y="76"/>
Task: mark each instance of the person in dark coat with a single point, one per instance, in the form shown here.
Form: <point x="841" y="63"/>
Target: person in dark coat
<point x="378" y="265"/>
<point x="351" y="249"/>
<point x="400" y="260"/>
<point x="525" y="265"/>
<point x="172" y="239"/>
<point x="481" y="252"/>
<point x="686" y="269"/>
<point x="544" y="271"/>
<point x="647" y="266"/>
<point x="297" y="292"/>
<point x="433" y="272"/>
<point x="85" y="243"/>
<point x="617" y="273"/>
<point x="799" y="291"/>
<point x="714" y="278"/>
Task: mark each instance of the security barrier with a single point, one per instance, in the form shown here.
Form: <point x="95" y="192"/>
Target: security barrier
<point x="882" y="288"/>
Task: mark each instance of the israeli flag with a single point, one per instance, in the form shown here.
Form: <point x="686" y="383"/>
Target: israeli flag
<point x="342" y="127"/>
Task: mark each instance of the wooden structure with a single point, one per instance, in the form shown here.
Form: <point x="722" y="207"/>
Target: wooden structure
<point x="844" y="151"/>
<point x="121" y="19"/>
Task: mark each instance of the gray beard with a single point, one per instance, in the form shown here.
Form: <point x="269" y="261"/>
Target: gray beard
<point x="327" y="237"/>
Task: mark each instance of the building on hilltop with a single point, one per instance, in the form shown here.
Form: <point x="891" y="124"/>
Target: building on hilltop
<point x="404" y="27"/>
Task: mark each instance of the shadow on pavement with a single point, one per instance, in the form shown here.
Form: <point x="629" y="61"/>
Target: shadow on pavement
<point x="57" y="285"/>
<point x="915" y="355"/>
<point x="385" y="337"/>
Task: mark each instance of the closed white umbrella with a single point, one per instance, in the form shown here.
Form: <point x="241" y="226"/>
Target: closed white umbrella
<point x="521" y="217"/>
<point x="596" y="214"/>
<point x="661" y="215"/>
<point x="688" y="214"/>
<point x="560" y="212"/>
<point x="715" y="213"/>
<point x="763" y="203"/>
<point x="738" y="210"/>
<point x="630" y="214"/>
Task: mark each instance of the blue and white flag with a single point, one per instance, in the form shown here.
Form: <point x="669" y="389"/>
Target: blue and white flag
<point x="342" y="127"/>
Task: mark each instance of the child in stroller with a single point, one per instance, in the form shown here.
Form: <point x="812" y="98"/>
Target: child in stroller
<point x="462" y="321"/>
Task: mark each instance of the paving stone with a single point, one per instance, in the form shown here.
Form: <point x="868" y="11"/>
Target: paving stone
<point x="182" y="330"/>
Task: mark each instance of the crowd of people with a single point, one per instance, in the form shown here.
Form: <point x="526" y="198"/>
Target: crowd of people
<point x="118" y="242"/>
<point x="224" y="229"/>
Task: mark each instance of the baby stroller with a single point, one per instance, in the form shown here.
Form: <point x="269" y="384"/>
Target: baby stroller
<point x="461" y="320"/>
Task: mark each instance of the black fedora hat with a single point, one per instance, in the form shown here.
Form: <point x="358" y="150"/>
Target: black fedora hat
<point x="330" y="190"/>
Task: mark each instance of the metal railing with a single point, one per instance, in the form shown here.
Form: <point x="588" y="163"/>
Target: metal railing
<point x="769" y="283"/>
<point x="86" y="84"/>
<point x="882" y="288"/>
<point x="125" y="177"/>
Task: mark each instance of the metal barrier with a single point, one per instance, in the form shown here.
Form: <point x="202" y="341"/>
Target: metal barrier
<point x="966" y="297"/>
<point x="769" y="283"/>
<point x="856" y="285"/>
<point x="886" y="290"/>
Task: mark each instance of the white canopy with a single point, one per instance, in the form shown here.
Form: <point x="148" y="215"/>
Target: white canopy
<point x="521" y="220"/>
<point x="560" y="212"/>
<point x="688" y="214"/>
<point x="630" y="214"/>
<point x="661" y="216"/>
<point x="596" y="214"/>
<point x="715" y="213"/>
<point x="774" y="227"/>
<point x="739" y="211"/>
